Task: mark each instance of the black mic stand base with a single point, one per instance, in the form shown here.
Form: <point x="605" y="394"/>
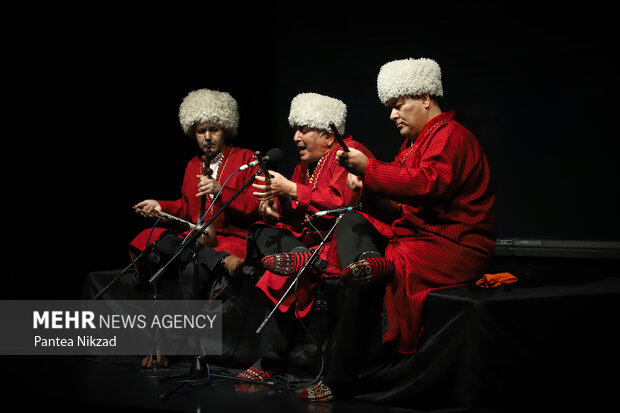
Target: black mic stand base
<point x="199" y="370"/>
<point x="200" y="374"/>
<point x="197" y="375"/>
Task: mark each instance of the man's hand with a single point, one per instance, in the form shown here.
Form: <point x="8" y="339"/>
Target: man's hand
<point x="207" y="185"/>
<point x="279" y="186"/>
<point x="268" y="210"/>
<point x="353" y="161"/>
<point x="148" y="208"/>
<point x="354" y="182"/>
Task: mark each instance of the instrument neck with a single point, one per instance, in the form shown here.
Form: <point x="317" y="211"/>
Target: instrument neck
<point x="207" y="170"/>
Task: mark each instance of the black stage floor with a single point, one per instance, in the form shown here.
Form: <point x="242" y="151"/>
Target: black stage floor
<point x="83" y="384"/>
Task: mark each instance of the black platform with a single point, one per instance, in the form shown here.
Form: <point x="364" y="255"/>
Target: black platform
<point x="546" y="343"/>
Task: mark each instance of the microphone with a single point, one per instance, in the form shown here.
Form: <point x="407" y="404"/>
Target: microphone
<point x="272" y="155"/>
<point x="336" y="211"/>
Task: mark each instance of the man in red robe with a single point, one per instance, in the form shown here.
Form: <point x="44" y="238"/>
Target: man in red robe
<point x="210" y="118"/>
<point x="290" y="231"/>
<point x="438" y="191"/>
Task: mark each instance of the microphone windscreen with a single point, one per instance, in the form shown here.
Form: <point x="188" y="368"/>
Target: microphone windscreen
<point x="275" y="154"/>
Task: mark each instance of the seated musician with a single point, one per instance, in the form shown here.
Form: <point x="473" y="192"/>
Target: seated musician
<point x="437" y="191"/>
<point x="210" y="118"/>
<point x="284" y="241"/>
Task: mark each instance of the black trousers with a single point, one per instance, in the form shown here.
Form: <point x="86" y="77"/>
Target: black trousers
<point x="347" y="332"/>
<point x="350" y="325"/>
<point x="197" y="269"/>
<point x="284" y="330"/>
<point x="357" y="238"/>
<point x="264" y="240"/>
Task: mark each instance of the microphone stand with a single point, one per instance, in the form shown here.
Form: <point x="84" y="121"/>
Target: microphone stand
<point x="303" y="268"/>
<point x="146" y="249"/>
<point x="197" y="373"/>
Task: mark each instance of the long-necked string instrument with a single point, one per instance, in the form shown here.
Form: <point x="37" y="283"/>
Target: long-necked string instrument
<point x="208" y="237"/>
<point x="338" y="137"/>
<point x="285" y="201"/>
<point x="263" y="167"/>
<point x="176" y="220"/>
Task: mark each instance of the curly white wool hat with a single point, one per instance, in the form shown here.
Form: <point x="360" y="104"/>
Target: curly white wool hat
<point x="409" y="77"/>
<point x="317" y="111"/>
<point x="209" y="106"/>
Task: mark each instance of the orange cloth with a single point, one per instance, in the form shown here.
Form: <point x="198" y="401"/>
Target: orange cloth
<point x="495" y="280"/>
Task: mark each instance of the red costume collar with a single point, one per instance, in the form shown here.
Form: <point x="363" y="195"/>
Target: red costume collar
<point x="430" y="127"/>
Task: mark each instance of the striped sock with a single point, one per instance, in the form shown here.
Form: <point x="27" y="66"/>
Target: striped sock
<point x="366" y="271"/>
<point x="286" y="263"/>
<point x="255" y="374"/>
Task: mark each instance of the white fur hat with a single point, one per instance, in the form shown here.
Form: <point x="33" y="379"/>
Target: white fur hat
<point x="209" y="106"/>
<point x="317" y="111"/>
<point x="409" y="77"/>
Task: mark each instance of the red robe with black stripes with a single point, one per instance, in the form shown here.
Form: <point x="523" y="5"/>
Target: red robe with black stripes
<point x="445" y="236"/>
<point x="232" y="224"/>
<point x="326" y="189"/>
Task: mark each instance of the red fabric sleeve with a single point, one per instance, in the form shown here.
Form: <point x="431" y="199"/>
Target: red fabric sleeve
<point x="427" y="183"/>
<point x="181" y="207"/>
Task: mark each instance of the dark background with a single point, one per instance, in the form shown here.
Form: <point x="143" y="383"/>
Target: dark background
<point x="95" y="118"/>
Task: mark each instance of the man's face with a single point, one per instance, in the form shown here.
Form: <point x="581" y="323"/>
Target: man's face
<point x="409" y="115"/>
<point x="210" y="138"/>
<point x="310" y="144"/>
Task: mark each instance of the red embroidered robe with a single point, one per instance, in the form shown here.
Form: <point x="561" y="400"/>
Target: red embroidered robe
<point x="231" y="225"/>
<point x="445" y="236"/>
<point x="325" y="189"/>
